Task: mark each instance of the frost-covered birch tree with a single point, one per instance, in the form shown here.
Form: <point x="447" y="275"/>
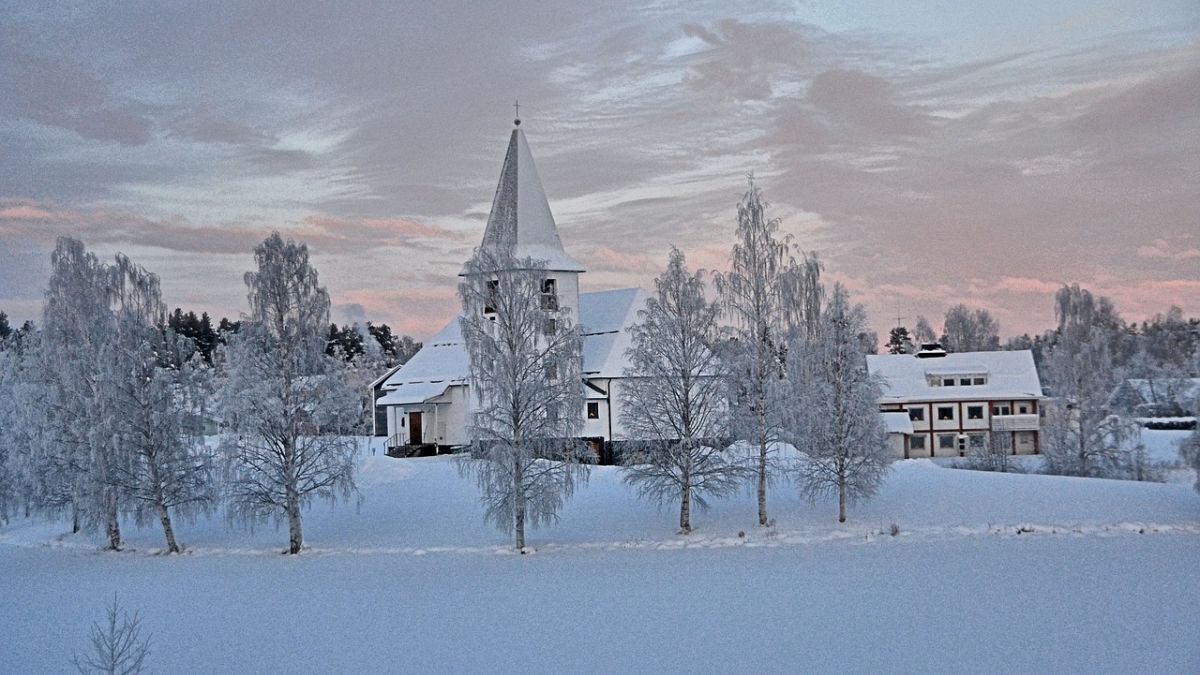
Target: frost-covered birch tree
<point x="26" y="439"/>
<point x="969" y="331"/>
<point x="9" y="454"/>
<point x="156" y="398"/>
<point x="833" y="414"/>
<point x="923" y="333"/>
<point x="674" y="399"/>
<point x="753" y="296"/>
<point x="287" y="403"/>
<point x="1081" y="436"/>
<point x="78" y="466"/>
<point x="526" y="377"/>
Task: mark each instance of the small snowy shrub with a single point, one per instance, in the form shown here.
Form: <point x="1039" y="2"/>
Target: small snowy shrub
<point x="1190" y="451"/>
<point x="116" y="645"/>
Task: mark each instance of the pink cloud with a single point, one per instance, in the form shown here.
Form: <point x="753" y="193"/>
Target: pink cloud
<point x="1026" y="285"/>
<point x="1160" y="248"/>
<point x="386" y="229"/>
<point x="23" y="210"/>
<point x="418" y="311"/>
<point x="606" y="258"/>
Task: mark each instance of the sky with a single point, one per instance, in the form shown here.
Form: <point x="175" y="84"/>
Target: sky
<point x="945" y="152"/>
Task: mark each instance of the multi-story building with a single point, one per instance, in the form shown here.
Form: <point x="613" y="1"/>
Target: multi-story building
<point x="960" y="402"/>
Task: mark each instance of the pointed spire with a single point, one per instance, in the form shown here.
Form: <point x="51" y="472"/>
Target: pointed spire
<point x="520" y="220"/>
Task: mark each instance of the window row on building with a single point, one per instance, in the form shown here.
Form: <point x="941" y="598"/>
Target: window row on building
<point x="972" y="411"/>
<point x="935" y="380"/>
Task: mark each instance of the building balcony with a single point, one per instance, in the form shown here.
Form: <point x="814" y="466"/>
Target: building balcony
<point x="1015" y="422"/>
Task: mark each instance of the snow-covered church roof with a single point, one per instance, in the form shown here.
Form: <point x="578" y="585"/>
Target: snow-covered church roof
<point x="606" y="318"/>
<point x="520" y="221"/>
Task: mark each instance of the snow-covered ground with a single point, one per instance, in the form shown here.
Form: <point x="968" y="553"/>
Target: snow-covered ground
<point x="989" y="572"/>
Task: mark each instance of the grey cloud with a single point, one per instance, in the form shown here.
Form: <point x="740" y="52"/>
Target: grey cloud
<point x="57" y="92"/>
<point x="208" y="127"/>
<point x="865" y="101"/>
<point x="744" y="58"/>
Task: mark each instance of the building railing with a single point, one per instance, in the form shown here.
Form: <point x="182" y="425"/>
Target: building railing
<point x="1015" y="422"/>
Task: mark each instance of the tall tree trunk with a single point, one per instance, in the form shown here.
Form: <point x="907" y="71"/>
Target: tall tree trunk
<point x="168" y="531"/>
<point x="75" y="526"/>
<point x="295" y="536"/>
<point x="160" y="503"/>
<point x="113" y="529"/>
<point x="112" y="522"/>
<point x="685" y="505"/>
<point x="763" y="518"/>
<point x="842" y="499"/>
<point x="519" y="507"/>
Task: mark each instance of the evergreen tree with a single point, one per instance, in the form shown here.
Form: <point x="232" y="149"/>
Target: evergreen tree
<point x="899" y="341"/>
<point x="345" y="343"/>
<point x="227" y="329"/>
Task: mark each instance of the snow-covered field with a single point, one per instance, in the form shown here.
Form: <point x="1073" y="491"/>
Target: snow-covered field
<point x="989" y="573"/>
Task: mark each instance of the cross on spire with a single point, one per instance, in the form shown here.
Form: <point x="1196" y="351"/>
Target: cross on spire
<point x="517" y="113"/>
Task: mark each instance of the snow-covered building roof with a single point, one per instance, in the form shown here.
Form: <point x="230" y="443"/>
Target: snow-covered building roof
<point x="897" y="423"/>
<point x="1183" y="392"/>
<point x="442" y="359"/>
<point x="520" y="221"/>
<point x="605" y="317"/>
<point x="410" y="393"/>
<point x="957" y="376"/>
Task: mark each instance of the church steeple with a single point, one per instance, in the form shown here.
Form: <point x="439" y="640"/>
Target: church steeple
<point x="520" y="221"/>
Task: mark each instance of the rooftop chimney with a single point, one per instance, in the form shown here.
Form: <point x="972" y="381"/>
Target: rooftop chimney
<point x="931" y="350"/>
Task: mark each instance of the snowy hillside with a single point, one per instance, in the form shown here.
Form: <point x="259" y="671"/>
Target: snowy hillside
<point x="988" y="572"/>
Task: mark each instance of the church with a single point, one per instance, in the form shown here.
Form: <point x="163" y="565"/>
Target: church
<point x="426" y="402"/>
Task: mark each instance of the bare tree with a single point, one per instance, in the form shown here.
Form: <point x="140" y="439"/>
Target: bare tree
<point x="526" y="377"/>
<point x="834" y="412"/>
<point x="993" y="453"/>
<point x="970" y="331"/>
<point x="675" y="401"/>
<point x="754" y="296"/>
<point x="287" y="403"/>
<point x="117" y="645"/>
